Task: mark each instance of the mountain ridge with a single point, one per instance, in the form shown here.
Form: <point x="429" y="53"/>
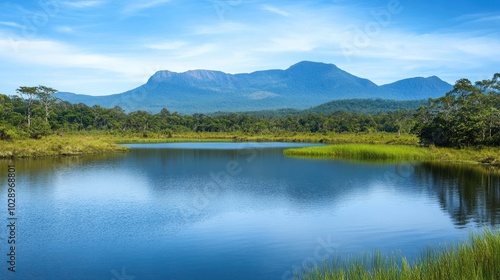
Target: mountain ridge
<point x="302" y="85"/>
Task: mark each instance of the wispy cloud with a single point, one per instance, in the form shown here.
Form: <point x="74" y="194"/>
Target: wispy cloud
<point x="259" y="95"/>
<point x="225" y="27"/>
<point x="11" y="24"/>
<point x="56" y="54"/>
<point x="167" y="45"/>
<point x="488" y="18"/>
<point x="197" y="51"/>
<point x="275" y="10"/>
<point x="64" y="29"/>
<point x="186" y="36"/>
<point x="82" y="4"/>
<point x="143" y="5"/>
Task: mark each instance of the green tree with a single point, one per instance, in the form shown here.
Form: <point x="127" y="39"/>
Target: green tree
<point x="45" y="95"/>
<point x="29" y="94"/>
<point x="466" y="116"/>
<point x="38" y="128"/>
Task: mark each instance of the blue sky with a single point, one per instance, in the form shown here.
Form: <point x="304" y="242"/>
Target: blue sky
<point x="103" y="47"/>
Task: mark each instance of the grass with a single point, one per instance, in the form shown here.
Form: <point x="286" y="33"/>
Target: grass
<point x="54" y="145"/>
<point x="479" y="258"/>
<point x="490" y="156"/>
<point x="334" y="138"/>
<point x="329" y="138"/>
<point x="363" y="146"/>
<point x="363" y="151"/>
<point x="96" y="142"/>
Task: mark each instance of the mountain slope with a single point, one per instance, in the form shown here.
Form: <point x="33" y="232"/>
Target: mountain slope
<point x="301" y="86"/>
<point x="407" y="88"/>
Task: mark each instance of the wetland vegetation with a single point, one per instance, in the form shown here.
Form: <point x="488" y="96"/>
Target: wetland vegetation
<point x="476" y="259"/>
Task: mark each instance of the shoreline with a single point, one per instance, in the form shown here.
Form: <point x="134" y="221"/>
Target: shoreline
<point x="349" y="146"/>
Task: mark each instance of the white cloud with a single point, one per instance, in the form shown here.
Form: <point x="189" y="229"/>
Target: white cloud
<point x="247" y="43"/>
<point x="197" y="51"/>
<point x="275" y="10"/>
<point x="142" y="5"/>
<point x="481" y="17"/>
<point x="221" y="28"/>
<point x="82" y="4"/>
<point x="11" y="24"/>
<point x="167" y="45"/>
<point x="64" y="29"/>
<point x="55" y="54"/>
<point x="259" y="95"/>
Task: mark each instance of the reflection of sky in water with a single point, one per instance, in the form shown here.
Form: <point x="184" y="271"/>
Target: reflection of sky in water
<point x="161" y="214"/>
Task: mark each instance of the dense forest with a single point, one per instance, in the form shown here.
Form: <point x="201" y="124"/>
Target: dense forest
<point x="469" y="115"/>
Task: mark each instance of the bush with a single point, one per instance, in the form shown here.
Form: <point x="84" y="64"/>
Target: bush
<point x="38" y="128"/>
<point x="8" y="132"/>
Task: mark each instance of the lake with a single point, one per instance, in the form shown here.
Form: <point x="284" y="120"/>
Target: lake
<point x="230" y="211"/>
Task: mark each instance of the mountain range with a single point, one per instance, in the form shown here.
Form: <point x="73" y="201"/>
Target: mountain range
<point x="303" y="85"/>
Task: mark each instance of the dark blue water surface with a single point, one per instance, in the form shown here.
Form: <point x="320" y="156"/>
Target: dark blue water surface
<point x="230" y="211"/>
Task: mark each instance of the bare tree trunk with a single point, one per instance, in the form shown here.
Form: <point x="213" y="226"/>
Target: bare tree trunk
<point x="46" y="113"/>
<point x="29" y="117"/>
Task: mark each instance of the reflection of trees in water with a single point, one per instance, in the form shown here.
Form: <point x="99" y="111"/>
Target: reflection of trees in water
<point x="470" y="194"/>
<point x="39" y="172"/>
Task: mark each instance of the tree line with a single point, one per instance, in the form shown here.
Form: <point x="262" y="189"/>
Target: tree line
<point x="469" y="115"/>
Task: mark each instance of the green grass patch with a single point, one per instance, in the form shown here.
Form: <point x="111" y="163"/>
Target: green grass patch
<point x="363" y="152"/>
<point x="374" y="152"/>
<point x="478" y="258"/>
<point x="372" y="146"/>
<point x="54" y="145"/>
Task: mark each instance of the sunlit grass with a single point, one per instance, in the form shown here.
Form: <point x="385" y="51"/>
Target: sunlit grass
<point x="372" y="146"/>
<point x="479" y="258"/>
<point x="55" y="145"/>
<point x="399" y="152"/>
<point x="363" y="151"/>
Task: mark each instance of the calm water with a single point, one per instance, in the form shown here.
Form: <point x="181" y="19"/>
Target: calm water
<point x="230" y="211"/>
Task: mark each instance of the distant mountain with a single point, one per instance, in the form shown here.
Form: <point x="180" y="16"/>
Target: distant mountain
<point x="301" y="86"/>
<point x="405" y="88"/>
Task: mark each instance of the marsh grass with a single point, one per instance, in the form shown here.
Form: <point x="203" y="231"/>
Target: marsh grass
<point x="333" y="138"/>
<point x="368" y="146"/>
<point x="487" y="156"/>
<point x="55" y="145"/>
<point x="363" y="151"/>
<point x="479" y="258"/>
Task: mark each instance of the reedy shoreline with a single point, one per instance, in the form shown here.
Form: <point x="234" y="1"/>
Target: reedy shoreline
<point x="477" y="258"/>
<point x="367" y="146"/>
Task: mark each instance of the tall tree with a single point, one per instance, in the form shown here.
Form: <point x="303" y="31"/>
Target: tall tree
<point x="28" y="93"/>
<point x="467" y="116"/>
<point x="45" y="95"/>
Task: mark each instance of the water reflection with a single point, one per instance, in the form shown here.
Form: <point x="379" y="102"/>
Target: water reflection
<point x="177" y="213"/>
<point x="470" y="194"/>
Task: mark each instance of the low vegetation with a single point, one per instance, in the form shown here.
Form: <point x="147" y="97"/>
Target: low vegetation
<point x="487" y="156"/>
<point x="369" y="146"/>
<point x="54" y="145"/>
<point x="476" y="259"/>
<point x="364" y="152"/>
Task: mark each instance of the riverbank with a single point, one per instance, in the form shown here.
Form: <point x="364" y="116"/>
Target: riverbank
<point x="368" y="146"/>
<point x="54" y="145"/>
<point x="476" y="259"/>
<point x="74" y="144"/>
